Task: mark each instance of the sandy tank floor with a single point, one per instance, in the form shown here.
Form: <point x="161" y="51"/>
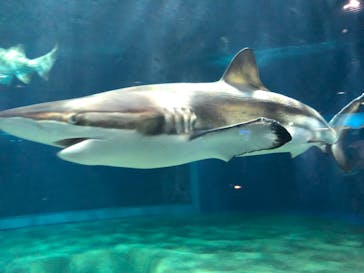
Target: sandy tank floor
<point x="197" y="244"/>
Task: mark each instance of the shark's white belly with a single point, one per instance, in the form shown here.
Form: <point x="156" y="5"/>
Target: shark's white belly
<point x="128" y="148"/>
<point x="132" y="150"/>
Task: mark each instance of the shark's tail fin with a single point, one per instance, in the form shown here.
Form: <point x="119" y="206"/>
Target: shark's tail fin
<point x="348" y="118"/>
<point x="43" y="64"/>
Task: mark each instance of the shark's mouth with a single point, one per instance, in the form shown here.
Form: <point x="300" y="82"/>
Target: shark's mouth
<point x="67" y="142"/>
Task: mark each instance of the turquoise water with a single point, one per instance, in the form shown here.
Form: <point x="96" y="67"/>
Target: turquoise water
<point x="197" y="244"/>
<point x="312" y="51"/>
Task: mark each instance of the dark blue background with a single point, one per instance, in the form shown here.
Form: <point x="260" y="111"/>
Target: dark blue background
<point x="109" y="44"/>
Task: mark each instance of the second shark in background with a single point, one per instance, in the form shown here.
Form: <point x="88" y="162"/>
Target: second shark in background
<point x="14" y="63"/>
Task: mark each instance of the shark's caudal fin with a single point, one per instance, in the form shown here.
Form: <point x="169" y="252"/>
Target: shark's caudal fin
<point x="342" y="122"/>
<point x="43" y="64"/>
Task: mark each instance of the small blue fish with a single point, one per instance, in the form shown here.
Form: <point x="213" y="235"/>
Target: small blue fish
<point x="13" y="62"/>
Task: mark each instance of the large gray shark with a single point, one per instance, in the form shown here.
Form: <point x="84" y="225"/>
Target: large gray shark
<point x="170" y="124"/>
<point x="14" y="63"/>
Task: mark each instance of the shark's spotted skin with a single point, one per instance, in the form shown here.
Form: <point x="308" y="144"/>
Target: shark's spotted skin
<point x="162" y="125"/>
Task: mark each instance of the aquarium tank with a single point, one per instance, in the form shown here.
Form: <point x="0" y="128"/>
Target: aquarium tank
<point x="181" y="136"/>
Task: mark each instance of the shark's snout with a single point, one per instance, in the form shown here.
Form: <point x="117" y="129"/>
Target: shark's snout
<point x="49" y="110"/>
<point x="48" y="123"/>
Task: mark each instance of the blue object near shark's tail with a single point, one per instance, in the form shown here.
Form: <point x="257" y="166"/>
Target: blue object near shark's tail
<point x="42" y="65"/>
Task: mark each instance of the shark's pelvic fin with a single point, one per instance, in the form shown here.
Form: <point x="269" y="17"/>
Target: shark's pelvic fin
<point x="298" y="150"/>
<point x="24" y="77"/>
<point x="243" y="73"/>
<point x="256" y="135"/>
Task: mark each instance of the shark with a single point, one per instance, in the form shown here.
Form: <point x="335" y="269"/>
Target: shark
<point x="14" y="63"/>
<point x="169" y="124"/>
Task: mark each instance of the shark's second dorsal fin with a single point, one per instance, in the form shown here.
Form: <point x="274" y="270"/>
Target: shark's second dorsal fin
<point x="242" y="72"/>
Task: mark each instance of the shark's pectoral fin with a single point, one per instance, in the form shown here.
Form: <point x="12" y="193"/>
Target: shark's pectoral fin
<point x="239" y="139"/>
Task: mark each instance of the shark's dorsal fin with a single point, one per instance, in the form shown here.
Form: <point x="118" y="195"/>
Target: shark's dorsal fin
<point x="243" y="73"/>
<point x="18" y="48"/>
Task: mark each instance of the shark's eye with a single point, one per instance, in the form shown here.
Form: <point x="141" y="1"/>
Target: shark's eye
<point x="73" y="119"/>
